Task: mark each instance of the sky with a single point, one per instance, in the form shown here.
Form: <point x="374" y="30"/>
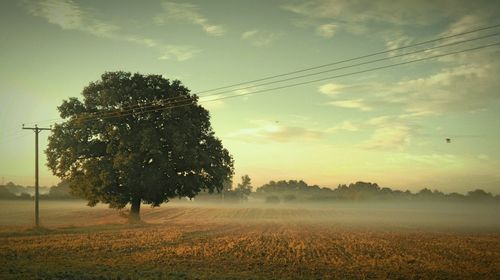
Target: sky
<point x="387" y="126"/>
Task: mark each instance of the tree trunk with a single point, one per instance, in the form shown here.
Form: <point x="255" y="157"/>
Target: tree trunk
<point x="135" y="209"/>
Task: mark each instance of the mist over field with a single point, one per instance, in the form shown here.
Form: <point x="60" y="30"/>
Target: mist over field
<point x="370" y="216"/>
<point x="422" y="216"/>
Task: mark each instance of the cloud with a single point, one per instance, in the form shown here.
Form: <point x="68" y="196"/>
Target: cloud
<point x="68" y="15"/>
<point x="212" y="102"/>
<point x="245" y="92"/>
<point x="362" y="17"/>
<point x="400" y="38"/>
<point x="181" y="53"/>
<point x="463" y="24"/>
<point x="65" y="14"/>
<point x="267" y="132"/>
<point x="358" y="103"/>
<point x="189" y="13"/>
<point x="465" y="82"/>
<point x="331" y="89"/>
<point x="326" y="30"/>
<point x="462" y="83"/>
<point x="390" y="133"/>
<point x="248" y="34"/>
<point x="483" y="157"/>
<point x="344" y="126"/>
<point x="259" y="38"/>
<point x="462" y="88"/>
<point x="437" y="160"/>
<point x="214" y="105"/>
<point x="396" y="39"/>
<point x="148" y="42"/>
<point x="361" y="11"/>
<point x="358" y="91"/>
<point x="385" y="138"/>
<point x="391" y="12"/>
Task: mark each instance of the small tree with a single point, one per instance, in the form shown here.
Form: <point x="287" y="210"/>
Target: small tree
<point x="61" y="191"/>
<point x="244" y="189"/>
<point x="273" y="199"/>
<point x="289" y="198"/>
<point x="227" y="187"/>
<point x="6" y="194"/>
<point x="479" y="195"/>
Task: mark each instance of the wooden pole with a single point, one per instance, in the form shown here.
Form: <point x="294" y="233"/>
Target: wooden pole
<point x="37" y="130"/>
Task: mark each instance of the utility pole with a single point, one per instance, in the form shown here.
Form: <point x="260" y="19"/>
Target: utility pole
<point x="37" y="130"/>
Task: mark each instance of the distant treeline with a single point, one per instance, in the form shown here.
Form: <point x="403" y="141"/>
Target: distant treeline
<point x="282" y="192"/>
<point x="289" y="191"/>
<point x="12" y="191"/>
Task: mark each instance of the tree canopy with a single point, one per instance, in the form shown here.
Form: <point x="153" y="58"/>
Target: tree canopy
<point x="137" y="138"/>
<point x="244" y="188"/>
<point x="292" y="190"/>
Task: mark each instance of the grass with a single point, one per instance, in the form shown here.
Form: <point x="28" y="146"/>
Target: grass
<point x="184" y="242"/>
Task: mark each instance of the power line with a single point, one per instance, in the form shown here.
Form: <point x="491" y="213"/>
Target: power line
<point x="11" y="135"/>
<point x="352" y="59"/>
<point x="330" y="70"/>
<point x="173" y="100"/>
<point x="43" y="121"/>
<point x="361" y="63"/>
<point x="303" y="83"/>
<point x="358" y="72"/>
<point x="150" y="104"/>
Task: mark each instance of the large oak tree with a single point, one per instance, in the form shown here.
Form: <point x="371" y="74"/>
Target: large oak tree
<point x="137" y="139"/>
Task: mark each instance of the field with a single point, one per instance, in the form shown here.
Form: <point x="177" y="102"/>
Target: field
<point x="246" y="241"/>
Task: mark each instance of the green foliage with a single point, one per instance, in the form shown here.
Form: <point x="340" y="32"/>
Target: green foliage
<point x="6" y="194"/>
<point x="244" y="189"/>
<point x="114" y="150"/>
<point x="285" y="186"/>
<point x="61" y="191"/>
<point x="290" y="190"/>
<point x="479" y="195"/>
<point x="227" y="185"/>
<point x="361" y="191"/>
<point x="272" y="199"/>
<point x="238" y="194"/>
<point x="289" y="198"/>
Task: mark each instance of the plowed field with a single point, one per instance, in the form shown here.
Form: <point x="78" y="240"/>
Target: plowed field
<point x="185" y="242"/>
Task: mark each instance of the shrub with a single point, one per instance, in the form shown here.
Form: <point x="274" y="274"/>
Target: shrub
<point x="272" y="199"/>
<point x="289" y="198"/>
